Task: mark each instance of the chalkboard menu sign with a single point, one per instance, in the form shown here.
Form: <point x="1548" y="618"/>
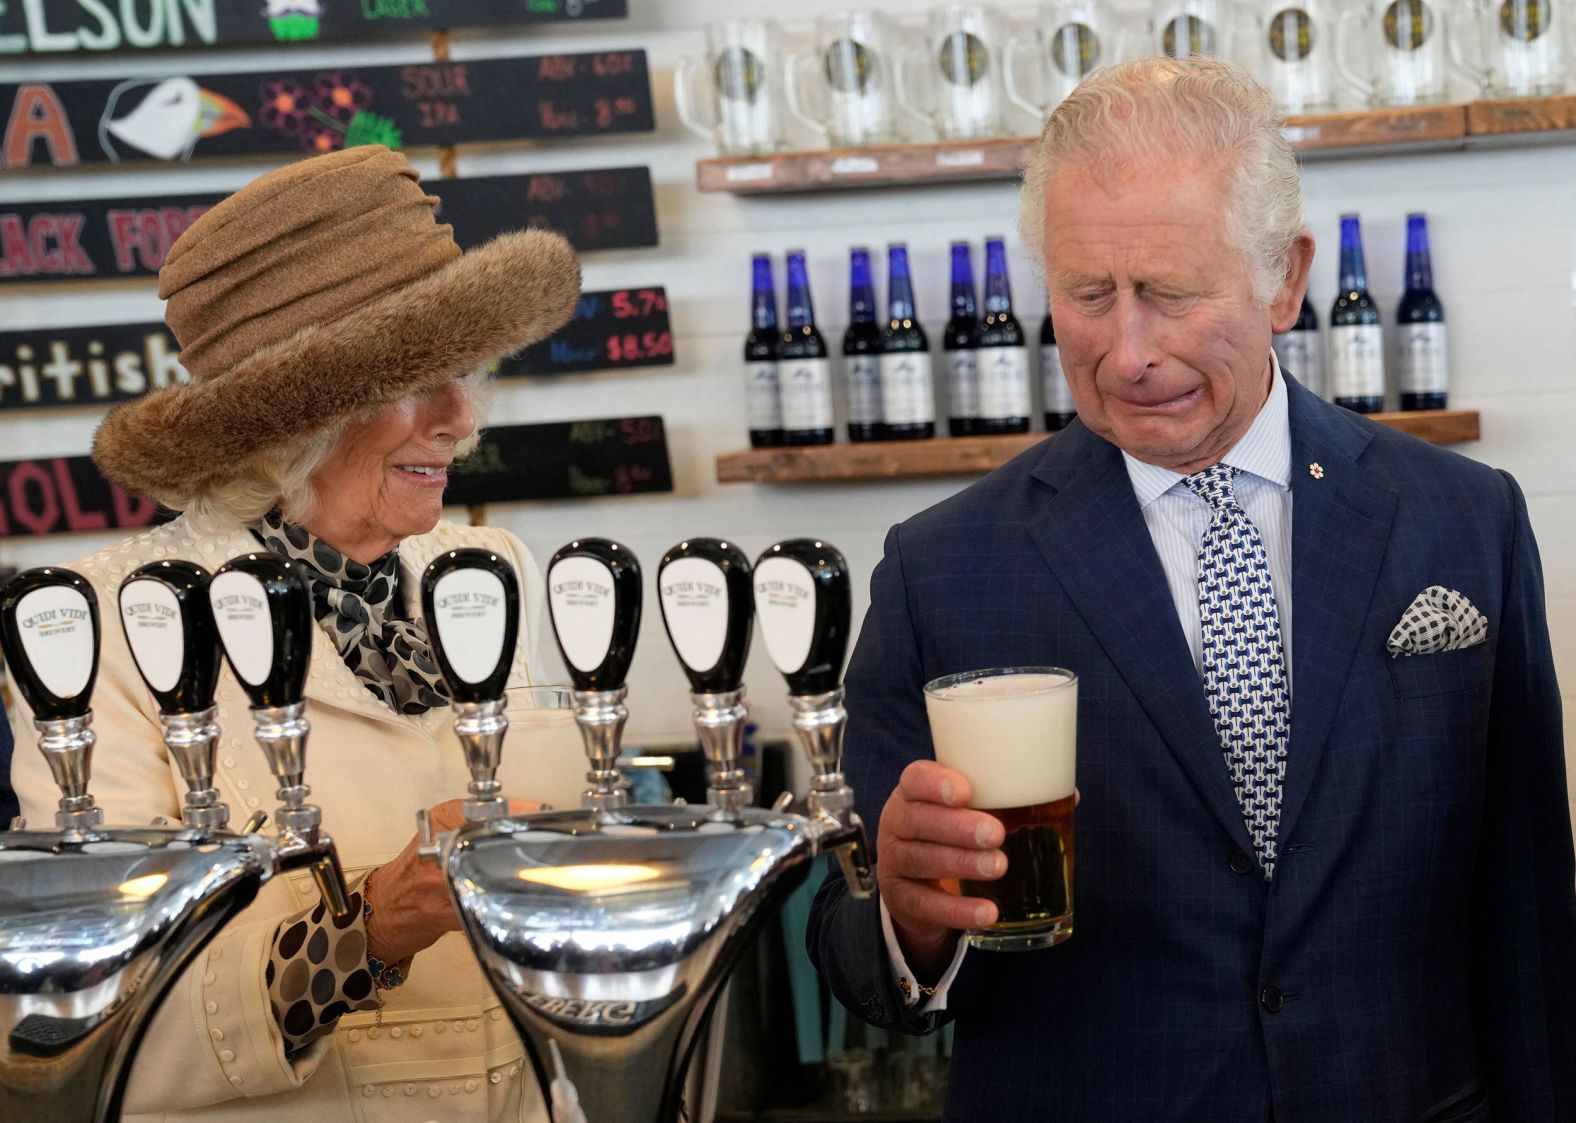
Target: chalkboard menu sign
<point x="64" y="495"/>
<point x="178" y="116"/>
<point x="610" y="208"/>
<point x="47" y="27"/>
<point x="564" y="460"/>
<point x="91" y="366"/>
<point x="610" y="330"/>
<point x="100" y="366"/>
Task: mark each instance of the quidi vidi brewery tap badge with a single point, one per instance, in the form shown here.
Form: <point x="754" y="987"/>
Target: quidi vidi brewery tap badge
<point x="56" y="628"/>
<point x="1408" y="24"/>
<point x="152" y="619"/>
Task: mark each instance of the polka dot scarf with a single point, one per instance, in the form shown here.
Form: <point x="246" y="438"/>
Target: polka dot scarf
<point x="358" y="606"/>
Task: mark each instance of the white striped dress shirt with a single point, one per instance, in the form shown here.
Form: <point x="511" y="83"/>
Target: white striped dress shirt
<point x="1177" y="519"/>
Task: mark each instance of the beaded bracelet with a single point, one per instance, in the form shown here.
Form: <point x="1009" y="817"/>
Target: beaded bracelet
<point x="385" y="976"/>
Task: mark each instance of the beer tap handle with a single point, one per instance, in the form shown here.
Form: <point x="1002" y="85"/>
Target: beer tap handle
<point x="470" y="599"/>
<point x="262" y="611"/>
<point x="168" y="622"/>
<point x="703" y="587"/>
<point x="49" y="632"/>
<point x="594" y="600"/>
<point x="804" y="601"/>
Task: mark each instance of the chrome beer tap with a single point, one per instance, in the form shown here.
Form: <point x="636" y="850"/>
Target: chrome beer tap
<point x="262" y="612"/>
<point x="471" y="602"/>
<point x="594" y="600"/>
<point x="803" y="603"/>
<point x="96" y="922"/>
<point x="703" y="586"/>
<point x="168" y="623"/>
<point x="609" y="931"/>
<point x="49" y="625"/>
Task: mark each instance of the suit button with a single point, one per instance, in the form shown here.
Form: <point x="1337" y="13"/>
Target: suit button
<point x="1272" y="1000"/>
<point x="1242" y="863"/>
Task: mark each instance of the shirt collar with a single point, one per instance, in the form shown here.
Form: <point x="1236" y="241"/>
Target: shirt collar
<point x="1263" y="451"/>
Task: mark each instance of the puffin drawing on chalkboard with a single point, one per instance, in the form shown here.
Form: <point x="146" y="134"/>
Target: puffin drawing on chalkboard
<point x="169" y="121"/>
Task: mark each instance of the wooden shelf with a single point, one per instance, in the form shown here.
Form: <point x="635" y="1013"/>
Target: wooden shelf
<point x="972" y="456"/>
<point x="1423" y="128"/>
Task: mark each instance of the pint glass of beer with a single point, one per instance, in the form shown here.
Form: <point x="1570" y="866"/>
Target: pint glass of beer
<point x="1013" y="732"/>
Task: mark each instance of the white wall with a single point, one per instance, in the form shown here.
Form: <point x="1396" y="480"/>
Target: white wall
<point x="1503" y="227"/>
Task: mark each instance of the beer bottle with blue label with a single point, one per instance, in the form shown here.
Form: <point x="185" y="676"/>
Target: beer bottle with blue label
<point x="803" y="366"/>
<point x="862" y="351"/>
<point x="908" y="396"/>
<point x="1003" y="352"/>
<point x="761" y="395"/>
<point x="1059" y="408"/>
<point x="1356" y="339"/>
<point x="1301" y="350"/>
<point x="958" y="348"/>
<point x="1424" y="374"/>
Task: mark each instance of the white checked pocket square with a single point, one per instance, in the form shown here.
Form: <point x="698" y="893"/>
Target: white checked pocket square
<point x="1440" y="619"/>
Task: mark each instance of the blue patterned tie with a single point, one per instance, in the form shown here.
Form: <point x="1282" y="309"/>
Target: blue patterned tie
<point x="1244" y="664"/>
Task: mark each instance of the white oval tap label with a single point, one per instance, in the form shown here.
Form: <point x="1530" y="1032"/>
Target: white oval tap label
<point x="581" y="592"/>
<point x="152" y="618"/>
<point x="56" y="624"/>
<point x="785" y="608"/>
<point x="246" y="628"/>
<point x="469" y="613"/>
<point x="695" y="605"/>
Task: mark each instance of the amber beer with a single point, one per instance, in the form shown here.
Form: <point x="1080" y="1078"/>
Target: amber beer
<point x="1013" y="732"/>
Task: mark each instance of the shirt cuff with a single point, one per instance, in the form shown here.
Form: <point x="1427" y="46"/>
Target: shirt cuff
<point x="937" y="1000"/>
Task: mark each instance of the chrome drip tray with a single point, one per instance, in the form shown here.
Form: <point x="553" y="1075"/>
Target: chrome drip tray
<point x="611" y="933"/>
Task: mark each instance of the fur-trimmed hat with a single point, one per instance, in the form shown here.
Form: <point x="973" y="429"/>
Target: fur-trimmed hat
<point x="323" y="291"/>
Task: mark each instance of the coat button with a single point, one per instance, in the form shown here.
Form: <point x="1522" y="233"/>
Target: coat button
<point x="396" y="1032"/>
<point x="470" y="1085"/>
<point x="1242" y="863"/>
<point x="1272" y="1000"/>
<point x="495" y="1077"/>
<point x="416" y="1031"/>
<point x="227" y="1055"/>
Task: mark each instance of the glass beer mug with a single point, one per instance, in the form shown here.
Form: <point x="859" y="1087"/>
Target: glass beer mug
<point x="963" y="88"/>
<point x="1295" y="53"/>
<point x="745" y="100"/>
<point x="1519" y="47"/>
<point x="1189" y="28"/>
<point x="851" y="72"/>
<point x="1013" y="732"/>
<point x="1401" y="46"/>
<point x="1071" y="38"/>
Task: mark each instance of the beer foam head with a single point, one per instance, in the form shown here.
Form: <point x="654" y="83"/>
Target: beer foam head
<point x="1012" y="734"/>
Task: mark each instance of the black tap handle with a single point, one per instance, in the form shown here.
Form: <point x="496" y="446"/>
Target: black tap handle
<point x="49" y="632"/>
<point x="703" y="586"/>
<point x="594" y="598"/>
<point x="471" y="601"/>
<point x="804" y="604"/>
<point x="262" y="611"/>
<point x="168" y="622"/>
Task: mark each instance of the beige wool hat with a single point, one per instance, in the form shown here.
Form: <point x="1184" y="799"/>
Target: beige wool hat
<point x="320" y="292"/>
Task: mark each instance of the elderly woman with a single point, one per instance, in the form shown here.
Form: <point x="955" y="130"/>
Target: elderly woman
<point x="329" y="323"/>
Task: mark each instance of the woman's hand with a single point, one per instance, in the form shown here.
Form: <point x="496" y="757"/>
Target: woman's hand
<point x="410" y="902"/>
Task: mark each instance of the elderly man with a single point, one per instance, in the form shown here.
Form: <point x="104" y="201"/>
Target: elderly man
<point x="1361" y="909"/>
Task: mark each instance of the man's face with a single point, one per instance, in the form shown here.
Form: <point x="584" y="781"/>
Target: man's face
<point x="1165" y="349"/>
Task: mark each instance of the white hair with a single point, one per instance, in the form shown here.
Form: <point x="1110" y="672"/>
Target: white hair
<point x="1193" y="107"/>
<point x="283" y="476"/>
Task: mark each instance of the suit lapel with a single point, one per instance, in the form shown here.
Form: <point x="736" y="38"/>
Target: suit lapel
<point x="1093" y="536"/>
<point x="1340" y="529"/>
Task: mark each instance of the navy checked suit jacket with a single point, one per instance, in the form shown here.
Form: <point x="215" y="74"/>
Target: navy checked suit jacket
<point x="1420" y="932"/>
